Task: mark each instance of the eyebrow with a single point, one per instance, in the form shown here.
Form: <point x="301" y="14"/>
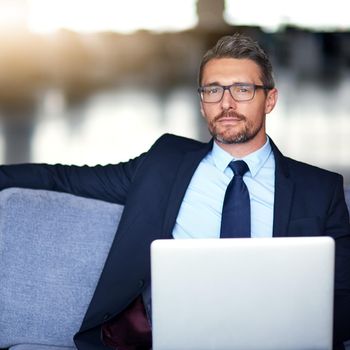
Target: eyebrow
<point x="215" y="83"/>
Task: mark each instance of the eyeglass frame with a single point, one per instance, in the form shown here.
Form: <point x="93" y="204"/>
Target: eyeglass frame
<point x="228" y="87"/>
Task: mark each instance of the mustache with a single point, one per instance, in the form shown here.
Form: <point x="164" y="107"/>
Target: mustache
<point x="229" y="114"/>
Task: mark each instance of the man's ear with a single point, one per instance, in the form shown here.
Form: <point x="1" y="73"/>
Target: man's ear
<point x="271" y="100"/>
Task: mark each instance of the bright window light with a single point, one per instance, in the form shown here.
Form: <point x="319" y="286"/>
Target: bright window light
<point x="111" y="15"/>
<point x="272" y="14"/>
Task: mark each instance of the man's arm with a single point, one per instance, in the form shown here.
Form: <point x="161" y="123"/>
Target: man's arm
<point x="110" y="183"/>
<point x="338" y="227"/>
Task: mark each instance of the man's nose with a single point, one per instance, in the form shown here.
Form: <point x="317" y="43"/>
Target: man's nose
<point x="227" y="101"/>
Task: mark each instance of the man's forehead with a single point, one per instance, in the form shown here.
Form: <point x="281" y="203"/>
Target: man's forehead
<point x="230" y="70"/>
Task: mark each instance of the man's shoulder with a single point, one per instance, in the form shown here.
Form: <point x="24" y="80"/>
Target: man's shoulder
<point x="303" y="171"/>
<point x="179" y="144"/>
<point x="306" y="171"/>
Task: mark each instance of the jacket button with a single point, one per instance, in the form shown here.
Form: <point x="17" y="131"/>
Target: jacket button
<point x="106" y="317"/>
<point x="141" y="283"/>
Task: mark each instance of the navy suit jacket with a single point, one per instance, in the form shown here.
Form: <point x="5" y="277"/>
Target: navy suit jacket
<point x="309" y="201"/>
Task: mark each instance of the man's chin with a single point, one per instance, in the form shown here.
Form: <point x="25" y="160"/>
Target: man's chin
<point x="231" y="139"/>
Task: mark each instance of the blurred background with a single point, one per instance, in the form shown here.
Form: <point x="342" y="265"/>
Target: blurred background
<point x="97" y="81"/>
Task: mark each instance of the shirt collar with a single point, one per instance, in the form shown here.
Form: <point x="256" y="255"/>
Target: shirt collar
<point x="254" y="160"/>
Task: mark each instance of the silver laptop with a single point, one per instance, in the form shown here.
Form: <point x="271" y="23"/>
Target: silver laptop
<point x="261" y="293"/>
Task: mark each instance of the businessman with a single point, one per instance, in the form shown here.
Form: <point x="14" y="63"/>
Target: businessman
<point x="182" y="188"/>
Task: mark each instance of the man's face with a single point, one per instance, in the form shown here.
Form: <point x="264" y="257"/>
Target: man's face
<point x="229" y="121"/>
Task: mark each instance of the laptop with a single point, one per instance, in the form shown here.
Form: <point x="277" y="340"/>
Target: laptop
<point x="256" y="294"/>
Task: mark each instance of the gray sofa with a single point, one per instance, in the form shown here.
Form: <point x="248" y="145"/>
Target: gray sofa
<point x="52" y="249"/>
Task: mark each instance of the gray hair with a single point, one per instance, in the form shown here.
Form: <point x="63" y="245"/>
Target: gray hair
<point x="241" y="47"/>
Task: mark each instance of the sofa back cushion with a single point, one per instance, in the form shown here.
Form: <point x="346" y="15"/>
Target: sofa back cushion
<point x="53" y="247"/>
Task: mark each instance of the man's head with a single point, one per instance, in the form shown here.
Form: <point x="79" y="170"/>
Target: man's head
<point x="241" y="47"/>
<point x="237" y="91"/>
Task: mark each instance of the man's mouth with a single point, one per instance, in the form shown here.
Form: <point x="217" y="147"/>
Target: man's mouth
<point x="227" y="117"/>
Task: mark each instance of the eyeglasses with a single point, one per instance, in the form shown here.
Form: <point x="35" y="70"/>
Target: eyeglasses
<point x="239" y="92"/>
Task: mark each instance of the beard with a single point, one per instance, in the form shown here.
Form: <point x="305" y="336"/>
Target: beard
<point x="244" y="132"/>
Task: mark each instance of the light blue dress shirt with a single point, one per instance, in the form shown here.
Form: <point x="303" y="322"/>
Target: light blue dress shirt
<point x="200" y="211"/>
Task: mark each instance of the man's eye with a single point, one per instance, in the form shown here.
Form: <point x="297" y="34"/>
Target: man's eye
<point x="213" y="90"/>
<point x="242" y="89"/>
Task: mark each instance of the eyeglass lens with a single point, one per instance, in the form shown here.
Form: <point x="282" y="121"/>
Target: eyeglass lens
<point x="239" y="92"/>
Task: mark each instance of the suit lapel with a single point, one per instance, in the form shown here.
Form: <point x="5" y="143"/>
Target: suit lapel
<point x="183" y="177"/>
<point x="284" y="189"/>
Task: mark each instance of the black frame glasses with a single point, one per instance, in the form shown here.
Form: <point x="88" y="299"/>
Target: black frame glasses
<point x="238" y="91"/>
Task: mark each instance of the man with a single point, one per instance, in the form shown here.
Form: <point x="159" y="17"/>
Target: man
<point x="177" y="189"/>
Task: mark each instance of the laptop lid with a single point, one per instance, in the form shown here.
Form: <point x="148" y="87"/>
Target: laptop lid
<point x="262" y="293"/>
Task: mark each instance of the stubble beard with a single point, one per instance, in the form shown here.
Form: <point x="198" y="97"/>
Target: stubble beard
<point x="245" y="132"/>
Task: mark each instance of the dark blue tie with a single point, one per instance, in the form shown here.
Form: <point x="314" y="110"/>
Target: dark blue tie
<point x="235" y="220"/>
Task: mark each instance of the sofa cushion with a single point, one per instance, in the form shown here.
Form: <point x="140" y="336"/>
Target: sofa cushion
<point x="53" y="247"/>
<point x="39" y="347"/>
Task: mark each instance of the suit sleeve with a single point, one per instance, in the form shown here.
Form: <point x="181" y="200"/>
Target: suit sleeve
<point x="337" y="224"/>
<point x="110" y="182"/>
<point x="338" y="227"/>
